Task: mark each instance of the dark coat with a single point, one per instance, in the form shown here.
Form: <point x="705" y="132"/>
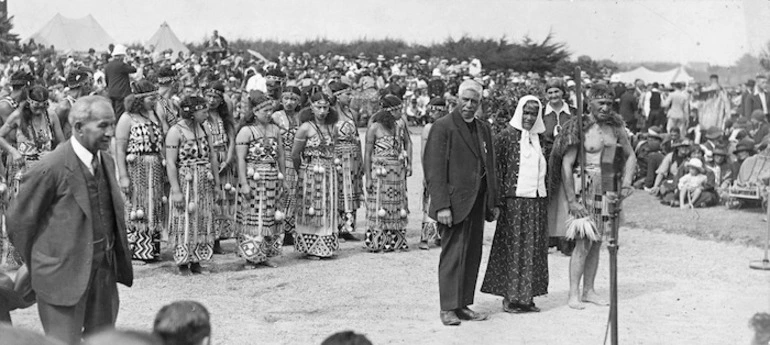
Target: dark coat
<point x="453" y="163"/>
<point x="50" y="224"/>
<point x="753" y="102"/>
<point x="116" y="76"/>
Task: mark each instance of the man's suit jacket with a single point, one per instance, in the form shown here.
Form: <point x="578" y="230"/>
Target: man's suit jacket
<point x="50" y="224"/>
<point x="452" y="166"/>
<point x="753" y="102"/>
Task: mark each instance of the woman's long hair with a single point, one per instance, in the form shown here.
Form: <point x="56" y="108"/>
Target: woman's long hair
<point x="37" y="94"/>
<point x="249" y="118"/>
<point x="386" y="119"/>
<point x="226" y="116"/>
<point x="134" y="104"/>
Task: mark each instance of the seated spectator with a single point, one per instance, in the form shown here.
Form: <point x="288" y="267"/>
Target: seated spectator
<point x="649" y="156"/>
<point x="673" y="137"/>
<point x="723" y="175"/>
<point x="665" y="184"/>
<point x="694" y="131"/>
<point x="691" y="185"/>
<point x="713" y="138"/>
<point x="18" y="336"/>
<point x="183" y="323"/>
<point x="115" y="337"/>
<point x="346" y="338"/>
<point x="743" y="150"/>
<point x="760" y="125"/>
<point x="708" y="196"/>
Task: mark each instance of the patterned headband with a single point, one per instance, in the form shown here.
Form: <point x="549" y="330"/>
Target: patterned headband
<point x="337" y="93"/>
<point x="164" y="80"/>
<point x="289" y="93"/>
<point x="393" y="108"/>
<point x="265" y="104"/>
<point x="274" y="78"/>
<point x="145" y="94"/>
<point x="437" y="107"/>
<point x="194" y="108"/>
<point x="215" y="91"/>
<point x="321" y="101"/>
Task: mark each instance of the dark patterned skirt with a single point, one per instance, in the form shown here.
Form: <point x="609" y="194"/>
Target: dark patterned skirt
<point x="518" y="260"/>
<point x="191" y="226"/>
<point x="387" y="230"/>
<point x="146" y="205"/>
<point x="316" y="211"/>
<point x="259" y="235"/>
<point x="225" y="207"/>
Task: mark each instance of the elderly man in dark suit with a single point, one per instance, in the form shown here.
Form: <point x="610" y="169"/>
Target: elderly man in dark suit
<point x="459" y="167"/>
<point x="67" y="223"/>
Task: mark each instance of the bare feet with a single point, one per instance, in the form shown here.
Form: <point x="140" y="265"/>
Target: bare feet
<point x="592" y="297"/>
<point x="574" y="303"/>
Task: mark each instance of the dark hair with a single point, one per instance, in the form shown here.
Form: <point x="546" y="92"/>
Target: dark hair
<point x="224" y="113"/>
<point x="346" y="338"/>
<point x="676" y="129"/>
<point x="37" y="94"/>
<point x="182" y="323"/>
<point x="255" y="98"/>
<point x="189" y="103"/>
<point x="135" y="104"/>
<point x="713" y="76"/>
<point x="385" y="118"/>
<point x="306" y="114"/>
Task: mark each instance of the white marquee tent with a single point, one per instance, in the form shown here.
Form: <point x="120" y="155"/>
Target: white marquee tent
<point x="165" y="39"/>
<point x="73" y="34"/>
<point x="676" y="75"/>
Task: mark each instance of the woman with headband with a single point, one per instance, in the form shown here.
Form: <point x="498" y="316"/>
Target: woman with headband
<point x="167" y="108"/>
<point x="37" y="133"/>
<point x="142" y="176"/>
<point x="260" y="153"/>
<point x="287" y="120"/>
<point x="222" y="129"/>
<point x="192" y="173"/>
<point x="313" y="158"/>
<point x="348" y="151"/>
<point x="387" y="163"/>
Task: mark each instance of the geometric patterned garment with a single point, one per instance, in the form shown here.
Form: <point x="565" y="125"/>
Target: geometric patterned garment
<point x="31" y="147"/>
<point x="9" y="257"/>
<point x="316" y="232"/>
<point x="349" y="184"/>
<point x="146" y="202"/>
<point x="288" y="131"/>
<point x="429" y="231"/>
<point x="259" y="236"/>
<point x="224" y="208"/>
<point x="386" y="204"/>
<point x="191" y="226"/>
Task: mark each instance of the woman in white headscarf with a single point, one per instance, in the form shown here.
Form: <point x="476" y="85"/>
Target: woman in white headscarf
<point x="518" y="262"/>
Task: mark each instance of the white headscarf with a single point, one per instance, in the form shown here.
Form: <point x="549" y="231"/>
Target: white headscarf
<point x="532" y="164"/>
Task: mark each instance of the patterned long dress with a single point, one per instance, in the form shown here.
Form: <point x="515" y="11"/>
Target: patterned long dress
<point x="191" y="227"/>
<point x="387" y="231"/>
<point x="146" y="204"/>
<point x="288" y="131"/>
<point x="350" y="173"/>
<point x="259" y="235"/>
<point x="316" y="232"/>
<point x="518" y="261"/>
<point x="32" y="148"/>
<point x="224" y="209"/>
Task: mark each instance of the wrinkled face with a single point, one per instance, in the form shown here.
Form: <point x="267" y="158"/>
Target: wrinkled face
<point x="96" y="132"/>
<point x="289" y="100"/>
<point x="761" y="83"/>
<point x="529" y="115"/>
<point x="469" y="101"/>
<point x="601" y="108"/>
<point x="555" y="95"/>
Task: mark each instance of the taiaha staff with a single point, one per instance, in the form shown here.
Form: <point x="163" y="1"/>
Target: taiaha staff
<point x="581" y="135"/>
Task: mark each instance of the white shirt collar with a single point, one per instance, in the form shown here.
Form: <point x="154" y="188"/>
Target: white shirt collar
<point x="757" y="92"/>
<point x="564" y="108"/>
<point x="85" y="156"/>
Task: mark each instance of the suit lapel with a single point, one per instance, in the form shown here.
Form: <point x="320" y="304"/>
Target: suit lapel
<point x="77" y="180"/>
<point x="117" y="199"/>
<point x="465" y="133"/>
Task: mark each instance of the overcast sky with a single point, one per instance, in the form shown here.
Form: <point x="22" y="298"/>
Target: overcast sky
<point x="715" y="31"/>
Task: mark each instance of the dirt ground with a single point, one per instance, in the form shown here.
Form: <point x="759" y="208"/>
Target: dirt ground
<point x="674" y="288"/>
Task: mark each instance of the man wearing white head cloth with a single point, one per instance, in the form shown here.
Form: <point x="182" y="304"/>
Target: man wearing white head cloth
<point x="459" y="166"/>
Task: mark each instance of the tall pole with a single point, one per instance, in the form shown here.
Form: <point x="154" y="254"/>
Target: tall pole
<point x="581" y="147"/>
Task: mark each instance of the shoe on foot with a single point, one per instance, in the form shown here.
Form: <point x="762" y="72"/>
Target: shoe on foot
<point x="470" y="315"/>
<point x="449" y="318"/>
<point x="196" y="268"/>
<point x="183" y="270"/>
<point x="268" y="263"/>
<point x="349" y="237"/>
<point x="423" y="246"/>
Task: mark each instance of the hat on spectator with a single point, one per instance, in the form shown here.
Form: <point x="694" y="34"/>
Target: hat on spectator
<point x="571" y="83"/>
<point x="713" y="133"/>
<point x="76" y="78"/>
<point x="166" y="75"/>
<point x="695" y="163"/>
<point x="119" y="50"/>
<point x="437" y="103"/>
<point x="758" y="115"/>
<point x="680" y="143"/>
<point x="654" y="132"/>
<point x="745" y="144"/>
<point x="380" y="58"/>
<point x="21" y="78"/>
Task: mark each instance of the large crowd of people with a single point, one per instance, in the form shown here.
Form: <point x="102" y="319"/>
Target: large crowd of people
<point x="222" y="146"/>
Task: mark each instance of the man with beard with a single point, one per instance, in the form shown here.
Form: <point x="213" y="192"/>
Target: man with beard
<point x="79" y="84"/>
<point x="603" y="134"/>
<point x="459" y="165"/>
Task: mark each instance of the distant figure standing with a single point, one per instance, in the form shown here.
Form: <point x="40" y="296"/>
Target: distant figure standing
<point x="118" y="83"/>
<point x="67" y="223"/>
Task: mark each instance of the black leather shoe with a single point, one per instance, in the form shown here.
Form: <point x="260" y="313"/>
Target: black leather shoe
<point x="470" y="315"/>
<point x="184" y="270"/>
<point x="449" y="318"/>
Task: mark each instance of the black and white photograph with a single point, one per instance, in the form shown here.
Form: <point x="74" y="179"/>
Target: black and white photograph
<point x="234" y="172"/>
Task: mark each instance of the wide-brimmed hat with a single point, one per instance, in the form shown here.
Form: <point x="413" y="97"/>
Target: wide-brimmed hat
<point x="745" y="144"/>
<point x="713" y="133"/>
<point x="654" y="132"/>
<point x="695" y="163"/>
<point x="119" y="50"/>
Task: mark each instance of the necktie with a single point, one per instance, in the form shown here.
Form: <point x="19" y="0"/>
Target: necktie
<point x="94" y="164"/>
